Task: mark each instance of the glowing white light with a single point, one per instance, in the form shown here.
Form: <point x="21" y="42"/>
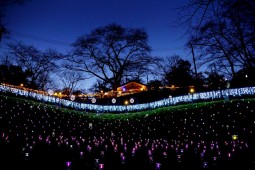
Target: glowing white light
<point x="72" y="97"/>
<point x="93" y="100"/>
<point x="114" y="100"/>
<point x="50" y="92"/>
<point x="136" y="107"/>
<point x="132" y="100"/>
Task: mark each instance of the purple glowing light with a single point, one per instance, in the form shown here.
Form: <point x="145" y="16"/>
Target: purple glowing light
<point x="68" y="164"/>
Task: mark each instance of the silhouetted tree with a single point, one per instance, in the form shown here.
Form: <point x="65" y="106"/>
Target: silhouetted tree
<point x="180" y="74"/>
<point x="39" y="65"/>
<point x="244" y="78"/>
<point x="165" y="65"/>
<point x="222" y="31"/>
<point x="215" y="81"/>
<point x="110" y="52"/>
<point x="100" y="87"/>
<point x="13" y="75"/>
<point x="154" y="84"/>
<point x="70" y="80"/>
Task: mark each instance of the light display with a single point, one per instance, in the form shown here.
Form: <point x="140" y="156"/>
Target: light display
<point x="218" y="94"/>
<point x="132" y="100"/>
<point x="72" y="97"/>
<point x="113" y="100"/>
<point x="50" y="92"/>
<point x="93" y="100"/>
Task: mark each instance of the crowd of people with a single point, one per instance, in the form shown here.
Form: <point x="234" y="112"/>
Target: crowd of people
<point x="213" y="135"/>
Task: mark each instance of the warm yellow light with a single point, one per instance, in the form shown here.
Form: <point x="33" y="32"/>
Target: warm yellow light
<point x="126" y="102"/>
<point x="234" y="137"/>
<point x="21" y="85"/>
<point x="192" y="90"/>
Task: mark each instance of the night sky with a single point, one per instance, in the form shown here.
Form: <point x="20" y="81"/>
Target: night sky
<point x="57" y="23"/>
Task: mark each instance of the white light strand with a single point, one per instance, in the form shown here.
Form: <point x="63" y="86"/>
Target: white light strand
<point x="135" y="107"/>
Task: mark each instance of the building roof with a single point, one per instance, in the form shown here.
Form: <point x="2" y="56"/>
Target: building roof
<point x="132" y="86"/>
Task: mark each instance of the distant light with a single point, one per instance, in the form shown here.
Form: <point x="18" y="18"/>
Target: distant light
<point x="158" y="166"/>
<point x="246" y="75"/>
<point x="50" y="92"/>
<point x="93" y="100"/>
<point x="72" y="97"/>
<point x="126" y="102"/>
<point x="101" y="166"/>
<point x="192" y="90"/>
<point x="68" y="164"/>
<point x="21" y="84"/>
<point x="90" y="125"/>
<point x="113" y="100"/>
<point x="132" y="100"/>
<point x="234" y="137"/>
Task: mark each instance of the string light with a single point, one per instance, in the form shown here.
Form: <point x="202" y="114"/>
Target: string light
<point x="135" y="107"/>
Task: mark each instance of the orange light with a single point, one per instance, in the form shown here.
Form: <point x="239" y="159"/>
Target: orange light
<point x="192" y="90"/>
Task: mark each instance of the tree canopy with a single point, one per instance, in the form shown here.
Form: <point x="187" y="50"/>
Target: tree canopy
<point x="222" y="32"/>
<point x="110" y="52"/>
<point x="37" y="64"/>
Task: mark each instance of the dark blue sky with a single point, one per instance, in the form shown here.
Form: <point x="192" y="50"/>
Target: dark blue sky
<point x="38" y="22"/>
<point x="57" y="23"/>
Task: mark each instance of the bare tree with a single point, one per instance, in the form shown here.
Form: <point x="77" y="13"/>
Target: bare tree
<point x="110" y="52"/>
<point x="222" y="32"/>
<point x="99" y="87"/>
<point x="165" y="65"/>
<point x="180" y="74"/>
<point x="70" y="80"/>
<point x="38" y="64"/>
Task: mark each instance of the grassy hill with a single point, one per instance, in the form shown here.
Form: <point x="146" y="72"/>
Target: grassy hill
<point x="188" y="136"/>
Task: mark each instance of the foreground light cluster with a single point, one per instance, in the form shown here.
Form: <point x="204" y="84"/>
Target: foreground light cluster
<point x="218" y="135"/>
<point x="135" y="107"/>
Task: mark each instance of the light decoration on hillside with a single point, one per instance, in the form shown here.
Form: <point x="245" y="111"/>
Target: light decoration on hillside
<point x="72" y="97"/>
<point x="158" y="166"/>
<point x="234" y="137"/>
<point x="50" y="92"/>
<point x="68" y="165"/>
<point x="135" y="107"/>
<point x="132" y="100"/>
<point x="113" y="100"/>
<point x="93" y="100"/>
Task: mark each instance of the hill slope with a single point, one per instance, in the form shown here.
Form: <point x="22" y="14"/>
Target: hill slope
<point x="191" y="136"/>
